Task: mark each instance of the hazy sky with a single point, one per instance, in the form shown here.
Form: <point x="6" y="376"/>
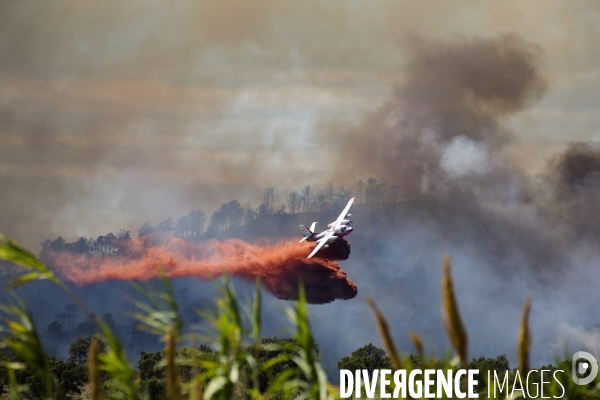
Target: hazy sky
<point x="113" y="113"/>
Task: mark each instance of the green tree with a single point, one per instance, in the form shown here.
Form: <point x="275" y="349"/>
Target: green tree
<point x="367" y="357"/>
<point x="155" y="388"/>
<point x="498" y="364"/>
<point x="80" y="348"/>
<point x="147" y="365"/>
<point x="70" y="376"/>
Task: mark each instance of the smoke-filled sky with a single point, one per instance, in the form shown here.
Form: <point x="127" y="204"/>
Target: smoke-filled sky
<point x="113" y="113"/>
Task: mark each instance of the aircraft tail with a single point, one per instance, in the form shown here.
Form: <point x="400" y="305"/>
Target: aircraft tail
<point x="306" y="232"/>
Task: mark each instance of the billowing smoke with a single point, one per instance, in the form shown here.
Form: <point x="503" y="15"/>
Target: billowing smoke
<point x="442" y="138"/>
<point x="281" y="266"/>
<point x="460" y="89"/>
<point x="575" y="188"/>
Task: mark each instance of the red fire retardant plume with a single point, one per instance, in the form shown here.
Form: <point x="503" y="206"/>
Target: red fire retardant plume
<point x="281" y="266"/>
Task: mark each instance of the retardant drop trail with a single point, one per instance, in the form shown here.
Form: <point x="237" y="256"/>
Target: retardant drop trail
<point x="281" y="266"/>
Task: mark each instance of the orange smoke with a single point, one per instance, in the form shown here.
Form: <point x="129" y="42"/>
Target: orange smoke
<point x="281" y="266"/>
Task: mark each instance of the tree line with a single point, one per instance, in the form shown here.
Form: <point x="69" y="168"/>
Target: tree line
<point x="273" y="356"/>
<point x="373" y="192"/>
<point x="377" y="194"/>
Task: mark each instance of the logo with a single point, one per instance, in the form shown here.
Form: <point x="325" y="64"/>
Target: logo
<point x="584" y="364"/>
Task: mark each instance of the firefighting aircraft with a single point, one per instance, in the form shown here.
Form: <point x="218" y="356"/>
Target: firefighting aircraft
<point x="337" y="229"/>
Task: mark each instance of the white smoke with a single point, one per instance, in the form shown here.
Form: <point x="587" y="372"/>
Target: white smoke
<point x="464" y="157"/>
<point x="572" y="339"/>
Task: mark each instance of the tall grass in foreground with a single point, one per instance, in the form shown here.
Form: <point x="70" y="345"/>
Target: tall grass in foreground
<point x="235" y="369"/>
<point x="232" y="372"/>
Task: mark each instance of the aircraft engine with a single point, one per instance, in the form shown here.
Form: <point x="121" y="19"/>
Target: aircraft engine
<point x="342" y="222"/>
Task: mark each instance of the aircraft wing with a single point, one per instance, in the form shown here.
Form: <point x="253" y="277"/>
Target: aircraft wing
<point x="320" y="243"/>
<point x="342" y="215"/>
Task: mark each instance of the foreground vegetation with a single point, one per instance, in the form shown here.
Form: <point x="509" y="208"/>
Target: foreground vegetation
<point x="237" y="364"/>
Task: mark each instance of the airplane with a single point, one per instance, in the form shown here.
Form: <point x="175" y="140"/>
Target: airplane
<point x="337" y="229"/>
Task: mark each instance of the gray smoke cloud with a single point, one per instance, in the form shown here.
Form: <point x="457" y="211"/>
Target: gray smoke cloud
<point x="574" y="179"/>
<point x="442" y="137"/>
<point x="450" y="90"/>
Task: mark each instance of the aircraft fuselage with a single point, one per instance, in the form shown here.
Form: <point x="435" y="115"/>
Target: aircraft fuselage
<point x="337" y="229"/>
<point x="342" y="231"/>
